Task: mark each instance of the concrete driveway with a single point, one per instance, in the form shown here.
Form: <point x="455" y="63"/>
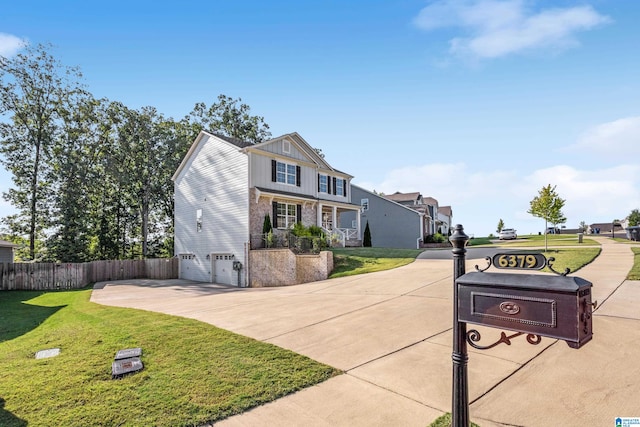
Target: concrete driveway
<point x="391" y="334"/>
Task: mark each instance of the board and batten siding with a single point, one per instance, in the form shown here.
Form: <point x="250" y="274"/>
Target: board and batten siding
<point x="277" y="147"/>
<point x="215" y="180"/>
<point x="261" y="176"/>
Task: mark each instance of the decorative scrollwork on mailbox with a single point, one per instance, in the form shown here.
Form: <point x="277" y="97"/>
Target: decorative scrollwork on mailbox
<point x="473" y="336"/>
<point x="521" y="261"/>
<point x="550" y="262"/>
<point x="488" y="259"/>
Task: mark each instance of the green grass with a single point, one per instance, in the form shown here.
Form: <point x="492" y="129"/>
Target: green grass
<point x="351" y="261"/>
<point x="552" y="240"/>
<point x="193" y="372"/>
<point x="621" y="240"/>
<point x="634" y="274"/>
<point x="445" y="421"/>
<point x="571" y="258"/>
<point x="478" y="241"/>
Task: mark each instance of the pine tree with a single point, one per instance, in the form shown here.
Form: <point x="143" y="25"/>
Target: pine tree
<point x="266" y="225"/>
<point x="367" y="236"/>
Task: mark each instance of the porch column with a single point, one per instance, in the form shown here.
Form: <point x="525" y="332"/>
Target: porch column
<point x="319" y="215"/>
<point x="335" y="218"/>
<point x="359" y="223"/>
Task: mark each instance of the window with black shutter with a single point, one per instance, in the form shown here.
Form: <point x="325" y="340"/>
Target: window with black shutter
<point x="274" y="214"/>
<point x="274" y="172"/>
<point x="285" y="173"/>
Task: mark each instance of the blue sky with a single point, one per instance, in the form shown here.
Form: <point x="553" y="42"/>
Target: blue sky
<point x="477" y="103"/>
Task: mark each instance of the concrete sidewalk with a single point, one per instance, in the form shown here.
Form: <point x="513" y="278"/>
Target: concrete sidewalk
<point x="391" y="334"/>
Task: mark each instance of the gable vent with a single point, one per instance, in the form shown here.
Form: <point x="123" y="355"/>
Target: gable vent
<point x="286" y="147"/>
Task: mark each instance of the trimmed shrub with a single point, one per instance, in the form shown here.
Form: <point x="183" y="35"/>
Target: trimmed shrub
<point x="367" y="236"/>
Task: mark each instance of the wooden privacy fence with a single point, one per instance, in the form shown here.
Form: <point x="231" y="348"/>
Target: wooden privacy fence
<point x="49" y="276"/>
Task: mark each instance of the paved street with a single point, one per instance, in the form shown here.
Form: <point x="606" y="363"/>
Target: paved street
<point x="390" y="332"/>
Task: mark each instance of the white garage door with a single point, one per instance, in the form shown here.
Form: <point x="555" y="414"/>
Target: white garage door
<point x="223" y="269"/>
<point x="188" y="267"/>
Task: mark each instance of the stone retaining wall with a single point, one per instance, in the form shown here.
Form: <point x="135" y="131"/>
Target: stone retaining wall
<point x="281" y="267"/>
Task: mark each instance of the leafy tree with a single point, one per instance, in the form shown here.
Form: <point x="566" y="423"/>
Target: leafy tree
<point x="367" y="236"/>
<point x="583" y="226"/>
<point x="548" y="206"/>
<point x="500" y="225"/>
<point x="634" y="217"/>
<point x="95" y="175"/>
<point x="228" y="117"/>
<point x="34" y="90"/>
<point x="74" y="180"/>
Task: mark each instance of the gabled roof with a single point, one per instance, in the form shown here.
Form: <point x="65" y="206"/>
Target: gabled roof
<point x="403" y="197"/>
<point x="246" y="146"/>
<point x="429" y="201"/>
<point x="235" y="141"/>
<point x="445" y="210"/>
<point x="301" y="145"/>
<point x="393" y="202"/>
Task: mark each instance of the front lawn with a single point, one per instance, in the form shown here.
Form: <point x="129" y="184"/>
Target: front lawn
<point x="552" y="240"/>
<point x="634" y="274"/>
<point x="351" y="261"/>
<point x="193" y="373"/>
<point x="571" y="258"/>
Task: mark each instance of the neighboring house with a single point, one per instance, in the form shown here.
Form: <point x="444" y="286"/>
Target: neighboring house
<point x="392" y="224"/>
<point x="225" y="187"/>
<point x="606" y="228"/>
<point x="445" y="219"/>
<point x="428" y="206"/>
<point x="7" y="251"/>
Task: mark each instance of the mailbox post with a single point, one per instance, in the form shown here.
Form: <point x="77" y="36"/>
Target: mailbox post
<point x="537" y="305"/>
<point x="460" y="404"/>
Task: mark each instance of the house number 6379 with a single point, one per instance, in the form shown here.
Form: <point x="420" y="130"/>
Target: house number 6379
<point x="519" y="261"/>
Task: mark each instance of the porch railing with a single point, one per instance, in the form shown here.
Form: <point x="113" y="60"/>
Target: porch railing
<point x="297" y="244"/>
<point x="340" y="236"/>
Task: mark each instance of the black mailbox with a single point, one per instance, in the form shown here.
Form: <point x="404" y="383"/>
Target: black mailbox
<point x="546" y="305"/>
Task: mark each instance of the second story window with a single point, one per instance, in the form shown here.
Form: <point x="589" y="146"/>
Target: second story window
<point x="285" y="173"/>
<point x="364" y="203"/>
<point x="323" y="183"/>
<point x="340" y="187"/>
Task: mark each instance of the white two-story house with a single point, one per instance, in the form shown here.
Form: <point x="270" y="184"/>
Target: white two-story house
<point x="225" y="187"/>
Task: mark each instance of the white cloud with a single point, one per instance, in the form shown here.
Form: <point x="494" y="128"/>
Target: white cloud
<point x="480" y="198"/>
<point x="619" y="137"/>
<point x="10" y="45"/>
<point x="497" y="28"/>
<point x="606" y="194"/>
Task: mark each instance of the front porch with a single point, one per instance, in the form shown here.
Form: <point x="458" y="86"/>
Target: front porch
<point x="328" y="217"/>
<point x="286" y="209"/>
